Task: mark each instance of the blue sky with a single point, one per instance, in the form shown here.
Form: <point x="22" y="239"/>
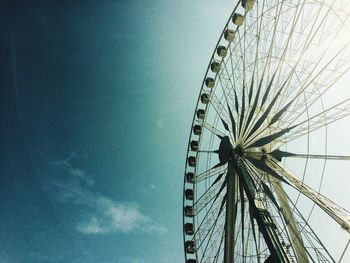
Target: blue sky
<point x="97" y="100"/>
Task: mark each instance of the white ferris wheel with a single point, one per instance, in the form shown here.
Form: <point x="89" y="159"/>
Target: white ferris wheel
<point x="258" y="148"/>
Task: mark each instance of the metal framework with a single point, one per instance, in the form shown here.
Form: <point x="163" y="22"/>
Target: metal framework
<point x="263" y="94"/>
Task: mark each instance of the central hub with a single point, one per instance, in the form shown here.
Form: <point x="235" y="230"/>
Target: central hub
<point x="227" y="152"/>
<point x="239" y="151"/>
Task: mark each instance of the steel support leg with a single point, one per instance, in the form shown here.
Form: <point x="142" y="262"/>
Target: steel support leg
<point x="230" y="213"/>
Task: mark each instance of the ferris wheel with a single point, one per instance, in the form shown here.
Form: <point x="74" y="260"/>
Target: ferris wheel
<point x="266" y="101"/>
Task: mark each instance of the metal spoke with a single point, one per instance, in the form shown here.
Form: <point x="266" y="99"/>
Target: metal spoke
<point x="339" y="214"/>
<point x="326" y="117"/>
<point x="277" y="154"/>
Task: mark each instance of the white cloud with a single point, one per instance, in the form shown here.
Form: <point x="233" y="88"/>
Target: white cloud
<point x="114" y="216"/>
<point x="125" y="218"/>
<point x="93" y="226"/>
<point x="73" y="185"/>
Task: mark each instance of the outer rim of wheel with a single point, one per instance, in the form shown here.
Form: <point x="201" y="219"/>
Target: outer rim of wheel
<point x="192" y="136"/>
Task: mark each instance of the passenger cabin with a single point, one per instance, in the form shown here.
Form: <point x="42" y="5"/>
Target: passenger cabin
<point x="192" y="161"/>
<point x="189" y="194"/>
<point x="200" y="114"/>
<point x="205" y="98"/>
<point x="189" y="230"/>
<point x="189" y="211"/>
<point x="197" y="129"/>
<point x="194" y="145"/>
<point x="190" y="247"/>
<point x="248" y="4"/>
<point x="190" y="177"/>
<point x="238" y="19"/>
<point x="215" y="66"/>
<point x="209" y="82"/>
<point x="229" y="35"/>
<point x="221" y="51"/>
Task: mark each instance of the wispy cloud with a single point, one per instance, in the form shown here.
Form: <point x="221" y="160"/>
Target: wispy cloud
<point x="111" y="216"/>
<point x="73" y="185"/>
